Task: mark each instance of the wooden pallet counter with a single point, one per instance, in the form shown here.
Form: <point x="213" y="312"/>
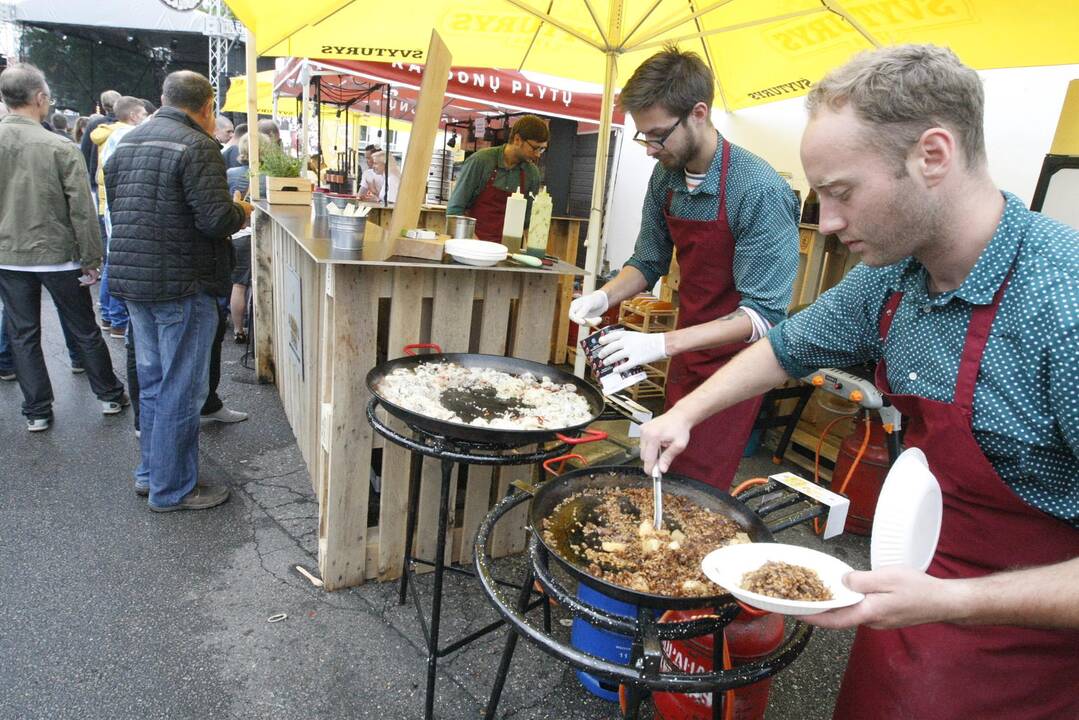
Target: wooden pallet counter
<point x="562" y="243"/>
<point x="324" y="317"/>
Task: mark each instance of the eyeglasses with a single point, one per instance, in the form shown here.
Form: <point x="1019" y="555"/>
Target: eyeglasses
<point x="538" y="149"/>
<point x="657" y="143"/>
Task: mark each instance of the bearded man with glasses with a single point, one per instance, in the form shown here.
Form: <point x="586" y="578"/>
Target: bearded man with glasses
<point x="733" y="221"/>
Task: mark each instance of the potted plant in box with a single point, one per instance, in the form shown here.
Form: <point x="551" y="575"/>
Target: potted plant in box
<point x="283" y="182"/>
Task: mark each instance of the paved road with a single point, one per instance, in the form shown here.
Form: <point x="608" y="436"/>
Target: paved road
<point x="110" y="611"/>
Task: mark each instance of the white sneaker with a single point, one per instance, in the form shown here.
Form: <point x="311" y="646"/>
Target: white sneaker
<point x="226" y="415"/>
<point x="115" y="407"/>
<point x="38" y="424"/>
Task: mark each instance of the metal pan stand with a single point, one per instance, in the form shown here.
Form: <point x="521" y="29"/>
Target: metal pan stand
<point x="449" y="452"/>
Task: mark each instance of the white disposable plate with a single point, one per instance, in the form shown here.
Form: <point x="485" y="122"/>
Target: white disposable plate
<point x="476" y="248"/>
<point x="726" y="566"/>
<point x="478" y="262"/>
<point x="906" y="523"/>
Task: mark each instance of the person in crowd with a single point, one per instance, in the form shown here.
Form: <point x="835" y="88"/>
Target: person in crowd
<point x="63" y="254"/>
<point x="59" y="125"/>
<point x="129" y="112"/>
<point x="223" y="130"/>
<point x="269" y="128"/>
<point x="170" y="261"/>
<point x="379" y="183"/>
<point x="239" y="179"/>
<point x="80" y="128"/>
<point x="368" y="155"/>
<point x="149" y="106"/>
<point x="733" y="221"/>
<point x="969" y="304"/>
<point x="89" y="149"/>
<point x="231" y="149"/>
<point x="489" y="176"/>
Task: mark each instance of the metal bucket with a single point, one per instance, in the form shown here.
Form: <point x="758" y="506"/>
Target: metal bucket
<point x="460" y="226"/>
<point x="320" y="201"/>
<point x="346" y="232"/>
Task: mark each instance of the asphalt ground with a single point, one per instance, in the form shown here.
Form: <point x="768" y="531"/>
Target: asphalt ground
<point x="108" y="610"/>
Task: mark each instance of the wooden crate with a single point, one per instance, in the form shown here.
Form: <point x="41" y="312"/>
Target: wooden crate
<point x="648" y="314"/>
<point x="561" y="243"/>
<point x="822" y="263"/>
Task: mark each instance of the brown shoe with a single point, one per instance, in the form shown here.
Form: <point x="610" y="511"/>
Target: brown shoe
<point x="202" y="497"/>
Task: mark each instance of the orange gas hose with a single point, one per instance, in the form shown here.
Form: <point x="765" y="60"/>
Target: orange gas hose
<point x="748" y="484"/>
<point x="850" y="472"/>
<point x="728" y="697"/>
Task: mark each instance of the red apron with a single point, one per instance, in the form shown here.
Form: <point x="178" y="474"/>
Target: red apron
<point x="940" y="671"/>
<point x="707" y="291"/>
<point x="489" y="208"/>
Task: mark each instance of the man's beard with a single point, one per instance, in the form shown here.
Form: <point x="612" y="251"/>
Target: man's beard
<point x="679" y="161"/>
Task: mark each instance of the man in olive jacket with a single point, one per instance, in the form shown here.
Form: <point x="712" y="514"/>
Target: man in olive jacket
<point x="169" y="259"/>
<point x="49" y="237"/>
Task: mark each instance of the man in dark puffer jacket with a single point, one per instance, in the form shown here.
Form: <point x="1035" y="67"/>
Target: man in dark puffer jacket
<point x="169" y="259"/>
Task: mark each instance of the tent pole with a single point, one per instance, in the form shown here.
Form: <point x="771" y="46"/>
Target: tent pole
<point x="252" y="110"/>
<point x="305" y="134"/>
<point x="594" y="250"/>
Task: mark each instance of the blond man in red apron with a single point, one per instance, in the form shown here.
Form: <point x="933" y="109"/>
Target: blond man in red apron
<point x="733" y="221"/>
<point x="969" y="303"/>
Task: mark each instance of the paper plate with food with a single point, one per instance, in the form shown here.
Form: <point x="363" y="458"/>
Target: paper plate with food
<point x="784" y="579"/>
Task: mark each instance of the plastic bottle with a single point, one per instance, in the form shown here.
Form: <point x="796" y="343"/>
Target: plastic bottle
<point x="513" y="227"/>
<point x="540" y="226"/>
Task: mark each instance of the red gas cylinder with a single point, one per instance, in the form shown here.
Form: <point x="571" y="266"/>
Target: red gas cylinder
<point x="748" y="639"/>
<point x="865" y="483"/>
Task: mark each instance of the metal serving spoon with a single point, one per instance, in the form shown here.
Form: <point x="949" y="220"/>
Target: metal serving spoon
<point x="657" y="497"/>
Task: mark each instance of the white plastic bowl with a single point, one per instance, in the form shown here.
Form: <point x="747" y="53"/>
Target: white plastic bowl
<point x="726" y="566"/>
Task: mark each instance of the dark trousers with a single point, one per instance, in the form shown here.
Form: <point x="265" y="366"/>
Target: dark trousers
<point x="213" y="401"/>
<point x="21" y="293"/>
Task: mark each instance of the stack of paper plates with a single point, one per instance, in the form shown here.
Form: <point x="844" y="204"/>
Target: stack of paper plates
<point x="476" y="252"/>
<point x="906" y="524"/>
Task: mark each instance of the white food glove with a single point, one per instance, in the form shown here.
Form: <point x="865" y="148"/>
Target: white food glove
<point x="636" y="348"/>
<point x="588" y="307"/>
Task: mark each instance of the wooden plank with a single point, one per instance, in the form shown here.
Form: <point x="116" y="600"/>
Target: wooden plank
<point x="352" y="329"/>
<point x="451" y="321"/>
<point x="498" y="289"/>
<point x="262" y="289"/>
<point x="562" y="244"/>
<point x="534" y="308"/>
<point x="814" y="262"/>
<point x="421" y="139"/>
<point x="404" y="329"/>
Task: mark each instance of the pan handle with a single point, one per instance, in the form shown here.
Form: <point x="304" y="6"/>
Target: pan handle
<point x="587" y="435"/>
<point x="407" y="350"/>
<point x="548" y="465"/>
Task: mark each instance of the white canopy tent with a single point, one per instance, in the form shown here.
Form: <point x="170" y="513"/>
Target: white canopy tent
<point x="123" y="14"/>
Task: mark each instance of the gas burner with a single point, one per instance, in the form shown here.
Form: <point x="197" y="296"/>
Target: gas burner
<point x="647" y="670"/>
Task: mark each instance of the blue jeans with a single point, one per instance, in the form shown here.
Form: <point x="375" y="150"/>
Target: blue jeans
<point x="7" y="360"/>
<point x="172" y="343"/>
<point x="113" y="310"/>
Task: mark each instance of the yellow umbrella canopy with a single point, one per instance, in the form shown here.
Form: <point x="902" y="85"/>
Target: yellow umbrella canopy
<point x="760" y="50"/>
<point x="236" y="98"/>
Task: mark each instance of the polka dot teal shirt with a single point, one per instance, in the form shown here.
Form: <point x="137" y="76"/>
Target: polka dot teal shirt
<point x="762" y="212"/>
<point x="1026" y="401"/>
